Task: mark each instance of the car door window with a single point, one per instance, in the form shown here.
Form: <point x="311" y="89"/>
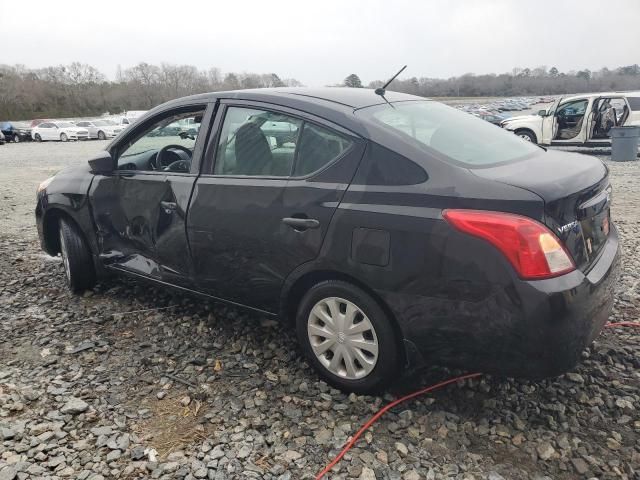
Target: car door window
<point x="166" y="144"/>
<point x="257" y="143"/>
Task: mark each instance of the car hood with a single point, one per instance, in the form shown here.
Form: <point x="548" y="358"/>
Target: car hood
<point x="526" y="118"/>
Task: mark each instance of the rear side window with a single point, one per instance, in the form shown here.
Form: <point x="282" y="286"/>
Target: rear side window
<point x="634" y="103"/>
<point x="257" y="142"/>
<point x="455" y="135"/>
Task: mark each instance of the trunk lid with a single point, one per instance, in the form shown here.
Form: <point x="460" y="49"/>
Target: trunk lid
<point x="576" y="193"/>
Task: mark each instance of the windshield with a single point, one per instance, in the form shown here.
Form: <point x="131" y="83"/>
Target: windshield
<point x="456" y="135"/>
<point x="65" y="124"/>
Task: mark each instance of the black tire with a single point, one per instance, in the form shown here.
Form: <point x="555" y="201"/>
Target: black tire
<point x="63" y="137"/>
<point x="101" y="135"/>
<point x="76" y="258"/>
<point x="389" y="359"/>
<point x="527" y="135"/>
<point x="38" y="137"/>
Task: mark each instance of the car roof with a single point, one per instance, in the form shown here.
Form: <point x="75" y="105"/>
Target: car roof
<point x="335" y="104"/>
<point x="604" y="94"/>
<point x="338" y="97"/>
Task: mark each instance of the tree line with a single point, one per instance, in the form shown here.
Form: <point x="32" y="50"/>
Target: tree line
<point x="519" y="82"/>
<point x="79" y="89"/>
<point x="82" y="90"/>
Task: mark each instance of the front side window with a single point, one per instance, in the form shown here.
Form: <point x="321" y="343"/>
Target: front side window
<point x="573" y="108"/>
<point x="165" y="145"/>
<point x="263" y="143"/>
<point x="453" y="134"/>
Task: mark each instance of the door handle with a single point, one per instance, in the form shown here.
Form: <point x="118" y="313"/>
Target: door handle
<point x="301" y="224"/>
<point x="169" y="207"/>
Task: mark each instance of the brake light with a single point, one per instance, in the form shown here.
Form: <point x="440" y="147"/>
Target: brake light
<point x="533" y="250"/>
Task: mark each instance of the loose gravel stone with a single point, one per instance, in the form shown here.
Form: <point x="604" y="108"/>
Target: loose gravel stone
<point x="74" y="406"/>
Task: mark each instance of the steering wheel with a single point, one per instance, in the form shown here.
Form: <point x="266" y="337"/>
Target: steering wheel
<point x="159" y="165"/>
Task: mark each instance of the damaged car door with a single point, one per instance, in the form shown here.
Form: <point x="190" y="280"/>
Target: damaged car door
<point x="140" y="207"/>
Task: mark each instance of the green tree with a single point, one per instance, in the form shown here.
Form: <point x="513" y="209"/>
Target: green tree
<point x="353" y="81"/>
<point x="553" y="72"/>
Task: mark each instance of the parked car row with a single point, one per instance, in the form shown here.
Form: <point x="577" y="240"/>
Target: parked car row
<point x="70" y="129"/>
<point x="496" y="112"/>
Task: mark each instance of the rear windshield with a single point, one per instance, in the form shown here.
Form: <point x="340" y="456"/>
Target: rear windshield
<point x="455" y="135"/>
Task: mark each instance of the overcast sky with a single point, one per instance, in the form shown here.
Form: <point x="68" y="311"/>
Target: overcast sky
<point x="321" y="42"/>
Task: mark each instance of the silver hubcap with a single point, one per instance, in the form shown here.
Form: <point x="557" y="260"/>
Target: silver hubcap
<point x="65" y="256"/>
<point x="525" y="137"/>
<point x="342" y="338"/>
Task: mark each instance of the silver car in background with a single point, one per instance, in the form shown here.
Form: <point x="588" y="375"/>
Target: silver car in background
<point x="101" y="129"/>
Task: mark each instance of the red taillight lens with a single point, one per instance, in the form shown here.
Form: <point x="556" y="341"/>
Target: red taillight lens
<point x="533" y="250"/>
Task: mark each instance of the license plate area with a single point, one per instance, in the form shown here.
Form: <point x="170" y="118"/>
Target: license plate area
<point x="595" y="231"/>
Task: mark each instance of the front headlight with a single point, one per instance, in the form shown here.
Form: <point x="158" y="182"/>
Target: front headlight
<point x="44" y="184"/>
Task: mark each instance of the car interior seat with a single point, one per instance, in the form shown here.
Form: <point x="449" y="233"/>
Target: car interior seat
<point x="253" y="154"/>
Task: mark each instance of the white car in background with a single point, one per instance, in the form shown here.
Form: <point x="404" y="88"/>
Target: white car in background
<point x="579" y="120"/>
<point x="101" y="129"/>
<point x="62" y="131"/>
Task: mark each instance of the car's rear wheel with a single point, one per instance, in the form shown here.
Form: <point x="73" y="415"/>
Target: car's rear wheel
<point x="63" y="137"/>
<point x="38" y="137"/>
<point x="76" y="258"/>
<point x="101" y="135"/>
<point x="527" y="135"/>
<point x="347" y="337"/>
<point x="16" y="139"/>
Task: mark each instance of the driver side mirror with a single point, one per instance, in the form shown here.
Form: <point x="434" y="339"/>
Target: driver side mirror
<point x="542" y="113"/>
<point x="101" y="163"/>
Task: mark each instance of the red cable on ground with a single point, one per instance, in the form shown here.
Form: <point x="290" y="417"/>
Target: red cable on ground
<point x="398" y="401"/>
<point x="622" y="324"/>
<point x="382" y="411"/>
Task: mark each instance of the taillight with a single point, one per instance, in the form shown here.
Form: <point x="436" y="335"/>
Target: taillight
<point x="533" y="250"/>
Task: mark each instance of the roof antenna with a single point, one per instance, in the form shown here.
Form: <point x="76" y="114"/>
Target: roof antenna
<point x="382" y="90"/>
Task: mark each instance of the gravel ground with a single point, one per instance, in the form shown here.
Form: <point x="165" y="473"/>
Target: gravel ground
<point x="94" y="387"/>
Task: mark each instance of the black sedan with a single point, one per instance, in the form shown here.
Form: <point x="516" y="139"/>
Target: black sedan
<point x="387" y="231"/>
<point x="15" y="132"/>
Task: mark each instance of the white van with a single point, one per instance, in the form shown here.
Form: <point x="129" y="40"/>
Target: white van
<point x="579" y="120"/>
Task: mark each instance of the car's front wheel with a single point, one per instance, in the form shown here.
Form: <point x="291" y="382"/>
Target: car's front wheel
<point x="63" y="137"/>
<point x="101" y="135"/>
<point x="38" y="137"/>
<point x="347" y="337"/>
<point x="16" y="139"/>
<point x="76" y="258"/>
<point x="527" y="135"/>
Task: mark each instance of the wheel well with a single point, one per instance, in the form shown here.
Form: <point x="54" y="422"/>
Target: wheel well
<point x="50" y="227"/>
<point x="527" y="130"/>
<point x="308" y="280"/>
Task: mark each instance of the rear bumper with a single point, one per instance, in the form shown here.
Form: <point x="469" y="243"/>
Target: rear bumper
<point x="532" y="329"/>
